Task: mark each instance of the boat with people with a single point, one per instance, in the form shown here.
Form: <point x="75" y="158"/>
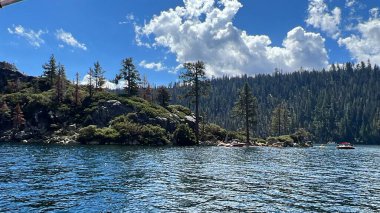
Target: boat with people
<point x="345" y="145"/>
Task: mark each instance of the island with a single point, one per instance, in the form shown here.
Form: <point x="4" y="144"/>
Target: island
<point x="50" y="109"/>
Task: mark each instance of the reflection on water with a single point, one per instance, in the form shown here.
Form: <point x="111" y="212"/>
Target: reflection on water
<point x="115" y="178"/>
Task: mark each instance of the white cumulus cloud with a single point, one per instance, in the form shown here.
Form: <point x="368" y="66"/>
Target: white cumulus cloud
<point x="204" y="30"/>
<point x="374" y="13"/>
<point x="320" y="17"/>
<point x="107" y="84"/>
<point x="152" y="65"/>
<point x="69" y="39"/>
<point x="33" y="37"/>
<point x="366" y="45"/>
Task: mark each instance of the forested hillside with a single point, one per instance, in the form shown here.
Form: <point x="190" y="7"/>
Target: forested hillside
<point x="51" y="109"/>
<point x="342" y="103"/>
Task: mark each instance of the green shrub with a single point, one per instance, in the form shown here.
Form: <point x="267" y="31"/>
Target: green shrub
<point x="301" y="136"/>
<point x="127" y="130"/>
<point x="236" y="135"/>
<point x="133" y="117"/>
<point x="285" y="138"/>
<point x="41" y="99"/>
<point x="144" y="134"/>
<point x="144" y="107"/>
<point x="153" y="135"/>
<point x="214" y="132"/>
<point x="180" y="110"/>
<point x="87" y="134"/>
<point x="259" y="141"/>
<point x="106" y="135"/>
<point x="184" y="136"/>
<point x="119" y="119"/>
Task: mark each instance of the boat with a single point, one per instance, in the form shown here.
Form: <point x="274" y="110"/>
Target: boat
<point x="345" y="145"/>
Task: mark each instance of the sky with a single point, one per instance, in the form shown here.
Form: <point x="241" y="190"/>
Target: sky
<point x="233" y="37"/>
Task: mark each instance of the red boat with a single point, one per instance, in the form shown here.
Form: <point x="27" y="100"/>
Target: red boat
<point x="345" y="145"/>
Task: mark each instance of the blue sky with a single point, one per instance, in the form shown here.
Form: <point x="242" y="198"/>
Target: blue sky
<point x="233" y="37"/>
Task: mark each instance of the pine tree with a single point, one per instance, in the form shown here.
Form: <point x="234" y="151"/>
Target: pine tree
<point x="147" y="93"/>
<point x="90" y="83"/>
<point x="50" y="71"/>
<point x="98" y="76"/>
<point x="131" y="76"/>
<point x="163" y="96"/>
<point x="195" y="78"/>
<point x="146" y="89"/>
<point x="60" y="85"/>
<point x="246" y="109"/>
<point x="76" y="91"/>
<point x="18" y="118"/>
<point x="280" y="120"/>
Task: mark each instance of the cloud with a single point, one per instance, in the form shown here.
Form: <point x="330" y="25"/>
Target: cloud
<point x="374" y="13"/>
<point x="320" y="17"/>
<point x="130" y="18"/>
<point x="350" y="3"/>
<point x="33" y="37"/>
<point x="174" y="70"/>
<point x="366" y="45"/>
<point x="204" y="30"/>
<point x="107" y="85"/>
<point x="69" y="39"/>
<point x="152" y="66"/>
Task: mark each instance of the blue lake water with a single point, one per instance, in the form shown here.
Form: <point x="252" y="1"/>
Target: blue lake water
<point x="40" y="178"/>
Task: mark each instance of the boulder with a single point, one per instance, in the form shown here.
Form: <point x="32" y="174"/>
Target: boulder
<point x="62" y="139"/>
<point x="22" y="135"/>
<point x="271" y="141"/>
<point x="190" y="120"/>
<point x="108" y="110"/>
<point x="72" y="127"/>
<point x="167" y="124"/>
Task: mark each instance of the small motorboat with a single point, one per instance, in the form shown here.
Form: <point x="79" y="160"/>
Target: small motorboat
<point x="345" y="145"/>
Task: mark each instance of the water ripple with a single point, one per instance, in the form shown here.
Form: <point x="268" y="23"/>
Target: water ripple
<point x="196" y="179"/>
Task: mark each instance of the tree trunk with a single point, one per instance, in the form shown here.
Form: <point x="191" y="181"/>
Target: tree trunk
<point x="246" y="116"/>
<point x="196" y="107"/>
<point x="279" y="121"/>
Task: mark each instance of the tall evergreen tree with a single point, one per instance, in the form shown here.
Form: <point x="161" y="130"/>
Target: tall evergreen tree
<point x="90" y="82"/>
<point x="195" y="78"/>
<point x="163" y="96"/>
<point x="99" y="79"/>
<point x="280" y="121"/>
<point x="50" y="71"/>
<point x="60" y="85"/>
<point x="246" y="109"/>
<point x="146" y="89"/>
<point x="131" y="76"/>
<point x="76" y="91"/>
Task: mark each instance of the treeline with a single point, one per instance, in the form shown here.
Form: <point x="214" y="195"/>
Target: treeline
<point x="51" y="108"/>
<point x="60" y="101"/>
<point x="342" y="103"/>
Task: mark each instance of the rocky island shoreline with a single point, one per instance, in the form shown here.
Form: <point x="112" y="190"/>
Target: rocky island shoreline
<point x="42" y="110"/>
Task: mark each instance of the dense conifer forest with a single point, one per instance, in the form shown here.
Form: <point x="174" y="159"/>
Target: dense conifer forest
<point x="339" y="104"/>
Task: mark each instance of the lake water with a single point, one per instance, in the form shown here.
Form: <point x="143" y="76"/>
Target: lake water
<point x="197" y="179"/>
